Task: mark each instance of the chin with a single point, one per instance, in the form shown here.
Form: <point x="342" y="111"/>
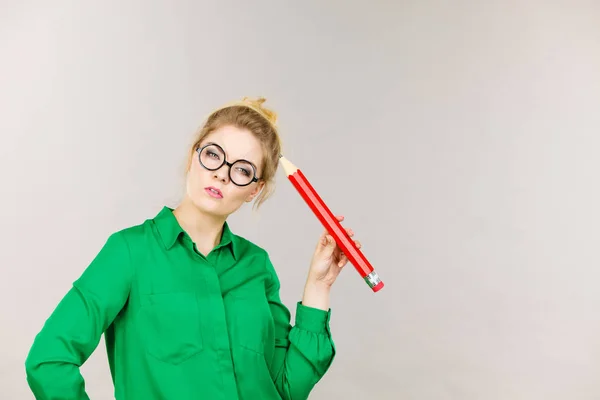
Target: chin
<point x="218" y="208"/>
<point x="209" y="207"/>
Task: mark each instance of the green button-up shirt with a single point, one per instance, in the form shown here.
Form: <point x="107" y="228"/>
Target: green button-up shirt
<point x="179" y="325"/>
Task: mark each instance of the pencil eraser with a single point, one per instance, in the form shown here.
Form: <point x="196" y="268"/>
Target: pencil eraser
<point x="378" y="287"/>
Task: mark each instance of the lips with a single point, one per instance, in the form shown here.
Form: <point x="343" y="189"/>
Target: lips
<point x="214" y="192"/>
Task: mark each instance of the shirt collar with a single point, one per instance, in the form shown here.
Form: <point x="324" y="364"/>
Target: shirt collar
<point x="169" y="231"/>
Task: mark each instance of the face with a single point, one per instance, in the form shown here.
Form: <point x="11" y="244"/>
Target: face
<point x="213" y="192"/>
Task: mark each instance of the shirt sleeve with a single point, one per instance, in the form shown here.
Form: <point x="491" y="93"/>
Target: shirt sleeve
<point x="303" y="352"/>
<point x="73" y="330"/>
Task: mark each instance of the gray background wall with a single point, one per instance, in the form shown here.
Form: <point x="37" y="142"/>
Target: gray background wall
<point x="459" y="139"/>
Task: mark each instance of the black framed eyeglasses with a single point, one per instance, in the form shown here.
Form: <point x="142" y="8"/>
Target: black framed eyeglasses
<point x="241" y="172"/>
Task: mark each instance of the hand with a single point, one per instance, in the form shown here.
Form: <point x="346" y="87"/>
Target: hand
<point x="328" y="259"/>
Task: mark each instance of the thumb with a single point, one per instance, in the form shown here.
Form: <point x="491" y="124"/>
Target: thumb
<point x="328" y="244"/>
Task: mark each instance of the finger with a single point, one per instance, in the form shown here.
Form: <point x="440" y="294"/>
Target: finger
<point x="330" y="248"/>
<point x="357" y="244"/>
<point x="323" y="241"/>
<point x="350" y="232"/>
<point x="329" y="242"/>
<point x="341" y="257"/>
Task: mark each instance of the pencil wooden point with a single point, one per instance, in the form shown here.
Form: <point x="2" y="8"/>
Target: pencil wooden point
<point x="288" y="167"/>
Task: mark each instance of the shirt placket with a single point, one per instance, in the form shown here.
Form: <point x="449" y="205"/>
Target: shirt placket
<point x="215" y="321"/>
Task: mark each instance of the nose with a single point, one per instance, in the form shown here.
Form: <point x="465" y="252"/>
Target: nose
<point x="222" y="173"/>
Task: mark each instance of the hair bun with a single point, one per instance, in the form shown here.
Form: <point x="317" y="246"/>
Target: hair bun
<point x="257" y="105"/>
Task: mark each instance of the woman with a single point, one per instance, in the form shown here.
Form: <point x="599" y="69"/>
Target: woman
<point x="190" y="310"/>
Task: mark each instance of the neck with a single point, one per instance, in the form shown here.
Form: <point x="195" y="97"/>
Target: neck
<point x="204" y="229"/>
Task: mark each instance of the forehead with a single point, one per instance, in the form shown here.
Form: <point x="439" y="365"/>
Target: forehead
<point x="237" y="143"/>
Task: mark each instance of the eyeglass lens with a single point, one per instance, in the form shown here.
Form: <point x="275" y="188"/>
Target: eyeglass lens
<point x="212" y="158"/>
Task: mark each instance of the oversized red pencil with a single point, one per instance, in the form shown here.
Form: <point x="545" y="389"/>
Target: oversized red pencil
<point x="320" y="209"/>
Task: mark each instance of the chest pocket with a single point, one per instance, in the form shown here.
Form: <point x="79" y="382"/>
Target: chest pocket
<point x="250" y="318"/>
<point x="169" y="326"/>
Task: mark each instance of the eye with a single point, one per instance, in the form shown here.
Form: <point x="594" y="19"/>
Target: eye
<point x="244" y="171"/>
<point x="212" y="154"/>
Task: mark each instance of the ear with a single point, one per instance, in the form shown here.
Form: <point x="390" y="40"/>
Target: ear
<point x="256" y="191"/>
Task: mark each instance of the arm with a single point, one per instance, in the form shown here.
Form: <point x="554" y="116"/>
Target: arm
<point x="316" y="295"/>
<point x="73" y="330"/>
<point x="305" y="351"/>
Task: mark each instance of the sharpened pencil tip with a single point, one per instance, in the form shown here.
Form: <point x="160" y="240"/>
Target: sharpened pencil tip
<point x="288" y="167"/>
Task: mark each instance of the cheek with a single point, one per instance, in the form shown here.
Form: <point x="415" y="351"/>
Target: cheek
<point x="199" y="178"/>
<point x="237" y="194"/>
<point x="196" y="180"/>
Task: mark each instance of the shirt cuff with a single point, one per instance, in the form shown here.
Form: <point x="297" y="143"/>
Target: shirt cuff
<point x="312" y="319"/>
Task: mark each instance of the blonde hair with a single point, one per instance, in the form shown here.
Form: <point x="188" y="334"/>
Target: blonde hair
<point x="248" y="114"/>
